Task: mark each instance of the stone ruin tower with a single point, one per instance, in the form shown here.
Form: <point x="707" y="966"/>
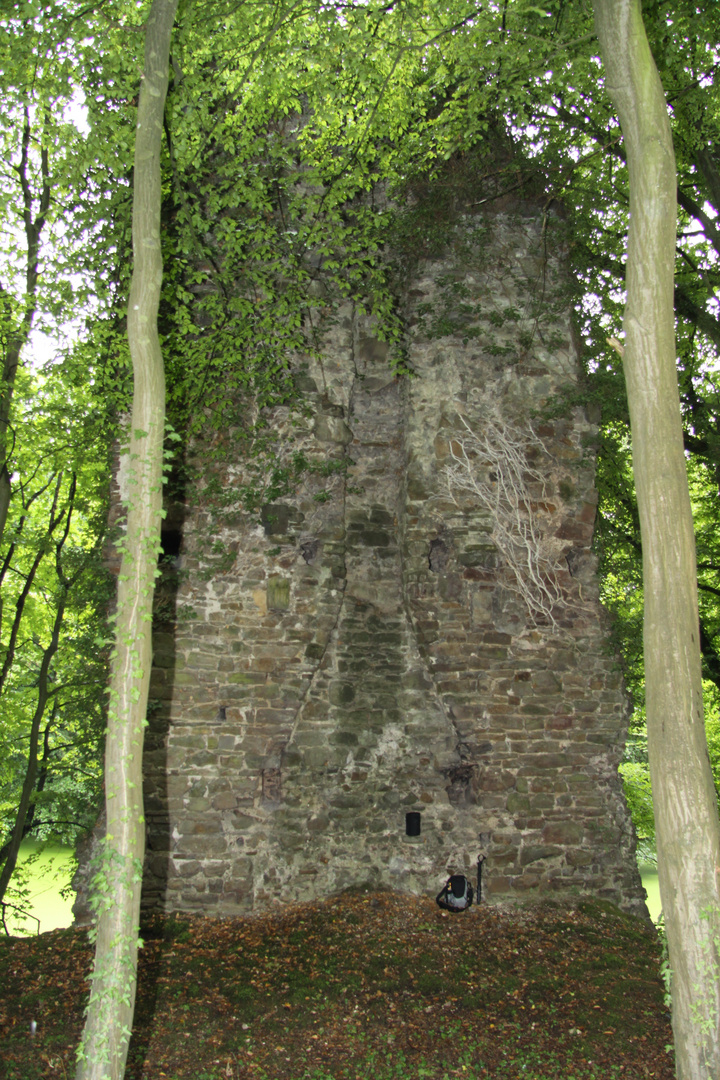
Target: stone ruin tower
<point x="364" y="651"/>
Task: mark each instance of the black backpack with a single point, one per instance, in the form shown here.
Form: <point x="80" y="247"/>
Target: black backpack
<point x="456" y="894"/>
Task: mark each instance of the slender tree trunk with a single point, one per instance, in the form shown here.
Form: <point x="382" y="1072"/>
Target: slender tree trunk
<point x="40" y="782"/>
<point x="16" y="336"/>
<point x="103" y="1051"/>
<point x="686" y="817"/>
<point x="25" y="808"/>
<point x="29" y="788"/>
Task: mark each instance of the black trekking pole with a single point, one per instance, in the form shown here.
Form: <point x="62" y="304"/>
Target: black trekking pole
<point x="481" y="860"/>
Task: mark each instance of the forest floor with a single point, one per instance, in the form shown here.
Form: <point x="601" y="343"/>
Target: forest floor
<point x="365" y="986"/>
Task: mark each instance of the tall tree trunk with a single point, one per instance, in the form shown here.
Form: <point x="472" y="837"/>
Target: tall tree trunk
<point x="686" y="817"/>
<point x="103" y="1050"/>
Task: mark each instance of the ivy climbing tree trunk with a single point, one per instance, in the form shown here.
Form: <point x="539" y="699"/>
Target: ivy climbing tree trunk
<point x="686" y="817"/>
<point x="117" y="879"/>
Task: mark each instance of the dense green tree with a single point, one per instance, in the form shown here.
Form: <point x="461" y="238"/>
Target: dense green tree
<point x="42" y="174"/>
<point x="595" y="189"/>
<point x="53" y="469"/>
<point x="51" y="581"/>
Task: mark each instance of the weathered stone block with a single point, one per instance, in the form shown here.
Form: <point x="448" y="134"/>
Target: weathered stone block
<point x="225" y="801"/>
<point x="331" y="429"/>
<point x="517" y="802"/>
<point x="531" y="854"/>
<point x="341" y="693"/>
<point x="563" y="832"/>
<point x="279" y="519"/>
<point x="343" y="738"/>
<point x="579" y="857"/>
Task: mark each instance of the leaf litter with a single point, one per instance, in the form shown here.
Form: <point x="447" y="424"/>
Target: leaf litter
<point x="362" y="985"/>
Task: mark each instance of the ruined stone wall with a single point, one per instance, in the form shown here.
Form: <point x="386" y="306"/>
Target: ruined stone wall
<point x="362" y="652"/>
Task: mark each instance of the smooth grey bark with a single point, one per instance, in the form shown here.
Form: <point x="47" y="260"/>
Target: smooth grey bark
<point x="686" y="816"/>
<point x="102" y="1054"/>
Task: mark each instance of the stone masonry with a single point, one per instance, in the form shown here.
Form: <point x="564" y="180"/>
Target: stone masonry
<point x="361" y="652"/>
